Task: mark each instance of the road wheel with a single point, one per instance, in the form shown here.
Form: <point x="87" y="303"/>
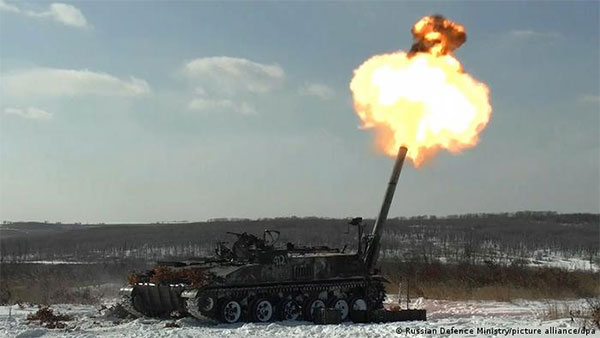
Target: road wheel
<point x="289" y="310"/>
<point x="311" y="306"/>
<point x="358" y="304"/>
<point x="342" y="305"/>
<point x="206" y="304"/>
<point x="231" y="311"/>
<point x="262" y="310"/>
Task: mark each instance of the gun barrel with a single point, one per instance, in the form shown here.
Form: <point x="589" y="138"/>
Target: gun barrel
<point x="372" y="251"/>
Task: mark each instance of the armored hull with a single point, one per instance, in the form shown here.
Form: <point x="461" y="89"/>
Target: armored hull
<point x="270" y="285"/>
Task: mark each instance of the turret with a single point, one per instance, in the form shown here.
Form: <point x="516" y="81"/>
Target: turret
<point x="372" y="250"/>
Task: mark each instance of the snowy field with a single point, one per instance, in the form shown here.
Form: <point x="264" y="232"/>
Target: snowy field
<point x="571" y="263"/>
<point x="445" y="319"/>
<point x="538" y="259"/>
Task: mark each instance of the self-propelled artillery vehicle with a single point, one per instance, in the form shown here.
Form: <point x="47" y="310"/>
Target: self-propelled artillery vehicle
<point x="258" y="280"/>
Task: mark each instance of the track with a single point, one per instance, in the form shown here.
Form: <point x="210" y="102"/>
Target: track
<point x="206" y="304"/>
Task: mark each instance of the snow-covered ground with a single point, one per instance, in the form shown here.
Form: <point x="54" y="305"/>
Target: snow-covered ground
<point x="570" y="263"/>
<point x="57" y="262"/>
<point x="538" y="259"/>
<point x="445" y="318"/>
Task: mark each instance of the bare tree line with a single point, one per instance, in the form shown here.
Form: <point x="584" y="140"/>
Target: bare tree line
<point x="472" y="237"/>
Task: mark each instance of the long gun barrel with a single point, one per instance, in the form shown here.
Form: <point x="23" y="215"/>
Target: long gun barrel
<point x="372" y="250"/>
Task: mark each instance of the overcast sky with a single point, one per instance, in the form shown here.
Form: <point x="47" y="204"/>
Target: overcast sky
<point x="155" y="111"/>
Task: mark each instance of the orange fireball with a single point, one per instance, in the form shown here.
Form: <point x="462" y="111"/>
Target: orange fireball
<point x="422" y="100"/>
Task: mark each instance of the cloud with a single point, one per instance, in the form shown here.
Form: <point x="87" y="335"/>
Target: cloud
<point x="527" y="34"/>
<point x="203" y="104"/>
<point x="229" y="75"/>
<point x="30" y="113"/>
<point x="318" y="90"/>
<point x="54" y="82"/>
<point x="8" y="7"/>
<point x="65" y="14"/>
<point x="590" y="98"/>
<point x="224" y="83"/>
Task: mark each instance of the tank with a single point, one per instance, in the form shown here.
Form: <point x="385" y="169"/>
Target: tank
<point x="259" y="279"/>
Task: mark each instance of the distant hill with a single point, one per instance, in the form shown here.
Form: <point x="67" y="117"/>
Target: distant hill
<point x="482" y="237"/>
